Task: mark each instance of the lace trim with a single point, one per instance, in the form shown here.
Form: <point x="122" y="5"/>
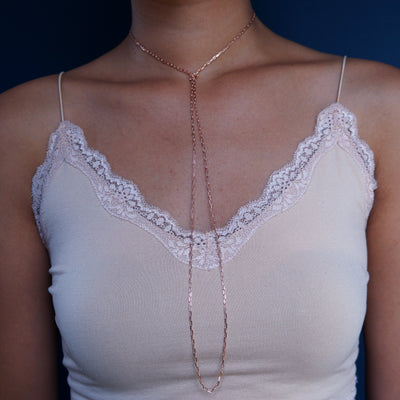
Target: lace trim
<point x="42" y="176"/>
<point x="123" y="199"/>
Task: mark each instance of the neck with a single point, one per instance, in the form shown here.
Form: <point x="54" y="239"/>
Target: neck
<point x="188" y="33"/>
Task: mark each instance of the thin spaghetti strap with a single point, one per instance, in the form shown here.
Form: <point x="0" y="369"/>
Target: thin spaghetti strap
<point x="60" y="95"/>
<point x="341" y="79"/>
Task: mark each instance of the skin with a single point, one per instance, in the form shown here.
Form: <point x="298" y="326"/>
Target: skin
<point x="256" y="102"/>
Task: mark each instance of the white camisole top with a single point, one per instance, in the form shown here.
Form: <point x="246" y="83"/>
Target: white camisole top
<point x="295" y="263"/>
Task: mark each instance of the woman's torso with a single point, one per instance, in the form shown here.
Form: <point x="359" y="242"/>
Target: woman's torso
<point x="296" y="277"/>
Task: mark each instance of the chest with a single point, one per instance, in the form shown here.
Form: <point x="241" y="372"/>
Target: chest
<point x="145" y="134"/>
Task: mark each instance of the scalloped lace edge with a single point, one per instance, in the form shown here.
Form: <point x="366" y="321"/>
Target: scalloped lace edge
<point x="285" y="186"/>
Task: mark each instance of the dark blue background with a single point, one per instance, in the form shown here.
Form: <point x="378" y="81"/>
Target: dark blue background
<point x="44" y="37"/>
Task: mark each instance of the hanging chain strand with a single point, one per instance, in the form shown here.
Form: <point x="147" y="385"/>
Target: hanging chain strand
<point x="196" y="121"/>
<point x="195" y="124"/>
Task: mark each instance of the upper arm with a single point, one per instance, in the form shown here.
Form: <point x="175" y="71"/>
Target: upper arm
<point x="27" y="335"/>
<point x="382" y="325"/>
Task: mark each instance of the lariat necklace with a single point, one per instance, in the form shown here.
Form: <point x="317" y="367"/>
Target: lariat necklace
<point x="195" y="124"/>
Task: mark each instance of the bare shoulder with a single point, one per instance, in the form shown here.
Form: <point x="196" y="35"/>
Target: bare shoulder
<point x="28" y="113"/>
<point x="372" y="91"/>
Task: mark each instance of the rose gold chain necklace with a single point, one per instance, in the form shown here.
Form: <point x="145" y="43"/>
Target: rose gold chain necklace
<point x="195" y="123"/>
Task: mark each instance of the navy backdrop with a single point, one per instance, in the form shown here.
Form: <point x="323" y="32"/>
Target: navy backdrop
<point x="44" y="37"/>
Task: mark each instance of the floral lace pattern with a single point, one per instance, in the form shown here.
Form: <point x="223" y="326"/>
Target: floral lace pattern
<point x="123" y="199"/>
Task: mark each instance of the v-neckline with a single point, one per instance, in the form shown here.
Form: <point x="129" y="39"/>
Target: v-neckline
<point x="284" y="188"/>
<point x="268" y="193"/>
